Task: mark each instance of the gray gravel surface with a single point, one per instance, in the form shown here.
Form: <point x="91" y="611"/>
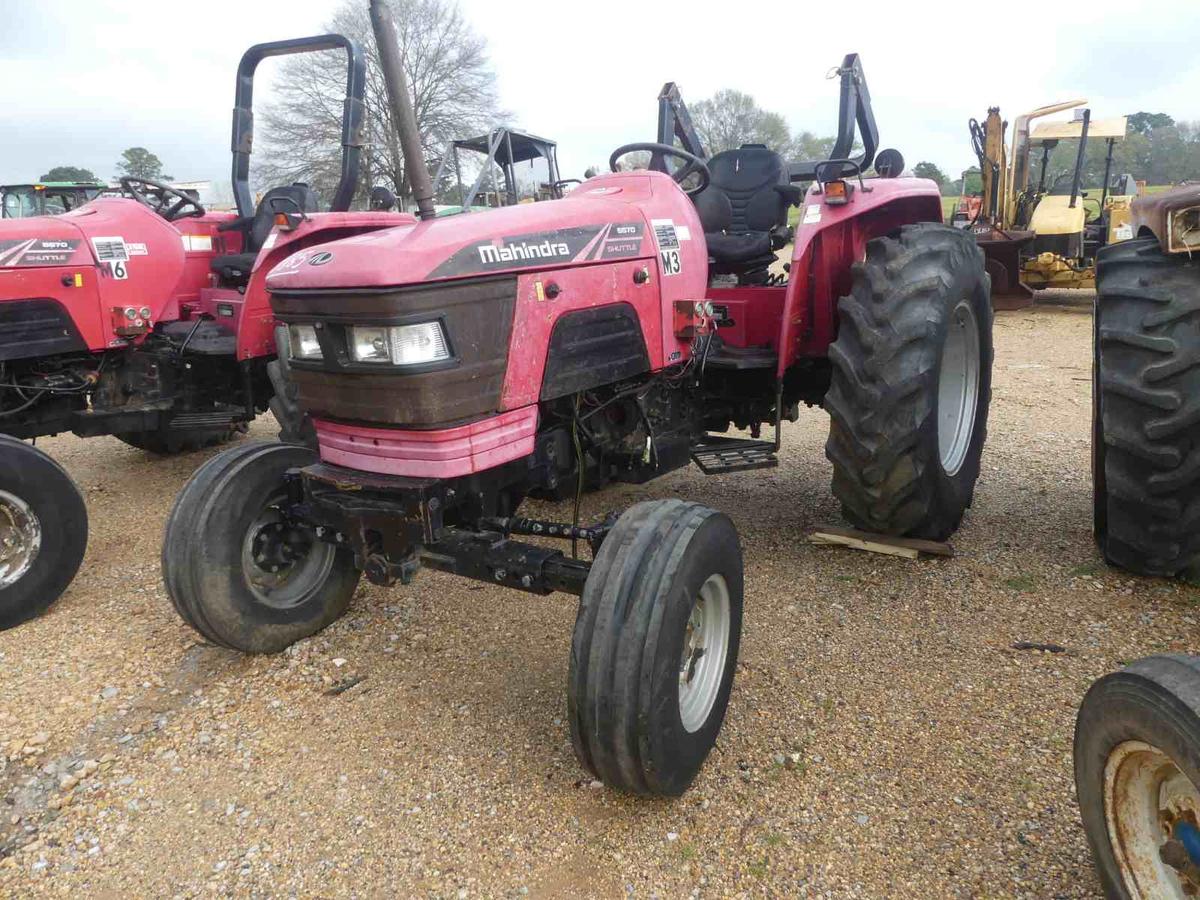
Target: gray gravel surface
<point x="883" y="739"/>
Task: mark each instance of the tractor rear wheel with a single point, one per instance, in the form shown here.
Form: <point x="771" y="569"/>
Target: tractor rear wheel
<point x="655" y="647"/>
<point x="295" y="426"/>
<point x="1146" y="436"/>
<point x="43" y="531"/>
<point x="1137" y="778"/>
<point x="168" y="442"/>
<point x="237" y="568"/>
<point x="911" y="384"/>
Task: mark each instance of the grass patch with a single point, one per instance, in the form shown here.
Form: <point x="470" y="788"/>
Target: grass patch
<point x="1087" y="568"/>
<point x="1023" y="583"/>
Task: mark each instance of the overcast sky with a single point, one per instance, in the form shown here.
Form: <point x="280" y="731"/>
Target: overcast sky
<point x="85" y="79"/>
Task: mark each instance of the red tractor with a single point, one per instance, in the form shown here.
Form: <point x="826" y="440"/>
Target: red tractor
<point x="456" y="365"/>
<point x="146" y="317"/>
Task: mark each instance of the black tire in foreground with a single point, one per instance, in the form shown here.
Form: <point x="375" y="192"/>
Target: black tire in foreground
<point x="168" y="442"/>
<point x="236" y="569"/>
<point x="43" y="531"/>
<point x="1147" y="438"/>
<point x="655" y="647"/>
<point x="911" y="383"/>
<point x="1137" y="775"/>
<point x="295" y="427"/>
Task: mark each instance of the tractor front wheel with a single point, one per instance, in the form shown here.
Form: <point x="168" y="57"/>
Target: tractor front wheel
<point x="1137" y="778"/>
<point x="655" y="647"/>
<point x="43" y="531"/>
<point x="911" y="383"/>
<point x="238" y="569"/>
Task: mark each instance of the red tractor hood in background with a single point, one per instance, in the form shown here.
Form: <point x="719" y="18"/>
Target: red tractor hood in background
<point x="42" y="241"/>
<point x="602" y="220"/>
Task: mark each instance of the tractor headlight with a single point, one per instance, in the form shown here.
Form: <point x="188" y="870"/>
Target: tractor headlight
<point x="304" y="342"/>
<point x="413" y="345"/>
<point x="1183" y="230"/>
<point x="399" y="345"/>
<point x="369" y="344"/>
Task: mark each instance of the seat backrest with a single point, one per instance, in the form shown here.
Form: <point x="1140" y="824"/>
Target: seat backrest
<point x="743" y="195"/>
<point x="264" y="216"/>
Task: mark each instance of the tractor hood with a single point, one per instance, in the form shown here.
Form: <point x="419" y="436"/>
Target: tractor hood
<point x="602" y="220"/>
<point x="42" y="241"/>
<point x="99" y="232"/>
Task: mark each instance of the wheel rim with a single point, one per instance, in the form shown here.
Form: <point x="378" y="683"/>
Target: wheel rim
<point x="705" y="647"/>
<point x="958" y="387"/>
<point x="20" y="538"/>
<point x="1151" y="810"/>
<point x="283" y="563"/>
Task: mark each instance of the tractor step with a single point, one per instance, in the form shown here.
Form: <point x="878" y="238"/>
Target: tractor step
<point x="191" y="421"/>
<point x="716" y="455"/>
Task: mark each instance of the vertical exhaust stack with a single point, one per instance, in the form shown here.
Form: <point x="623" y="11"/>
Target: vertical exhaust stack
<point x="403" y="118"/>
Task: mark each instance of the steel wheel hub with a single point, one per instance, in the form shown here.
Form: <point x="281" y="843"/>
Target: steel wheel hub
<point x="958" y="387"/>
<point x="1151" y="810"/>
<point x="283" y="563"/>
<point x="20" y="538"/>
<point x="705" y="647"/>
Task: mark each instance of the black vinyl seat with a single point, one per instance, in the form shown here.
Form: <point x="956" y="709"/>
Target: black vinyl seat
<point x="744" y="209"/>
<point x="234" y="268"/>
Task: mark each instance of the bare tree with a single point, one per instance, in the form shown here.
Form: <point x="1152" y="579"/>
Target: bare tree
<point x="454" y="95"/>
<point x="729" y="118"/>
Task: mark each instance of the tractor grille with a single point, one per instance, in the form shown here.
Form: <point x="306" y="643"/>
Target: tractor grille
<point x="477" y="316"/>
<point x="42" y="327"/>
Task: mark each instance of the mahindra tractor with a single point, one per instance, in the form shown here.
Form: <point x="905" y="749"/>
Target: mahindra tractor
<point x="147" y="317"/>
<point x="454" y="366"/>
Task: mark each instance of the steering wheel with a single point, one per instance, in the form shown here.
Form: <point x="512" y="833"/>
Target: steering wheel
<point x="694" y="165"/>
<point x="157" y="199"/>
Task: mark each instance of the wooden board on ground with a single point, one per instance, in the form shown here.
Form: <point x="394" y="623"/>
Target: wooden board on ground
<point x="908" y="548"/>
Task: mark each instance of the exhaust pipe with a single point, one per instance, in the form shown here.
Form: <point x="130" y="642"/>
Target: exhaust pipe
<point x="404" y="120"/>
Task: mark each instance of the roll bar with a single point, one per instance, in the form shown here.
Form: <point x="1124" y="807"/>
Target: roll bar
<point x="353" y="114"/>
<point x="854" y="110"/>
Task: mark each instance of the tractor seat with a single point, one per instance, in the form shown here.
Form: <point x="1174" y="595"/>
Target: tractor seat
<point x="744" y="209"/>
<point x="234" y="268"/>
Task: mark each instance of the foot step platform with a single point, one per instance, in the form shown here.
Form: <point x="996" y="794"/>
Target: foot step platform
<point x="716" y="455"/>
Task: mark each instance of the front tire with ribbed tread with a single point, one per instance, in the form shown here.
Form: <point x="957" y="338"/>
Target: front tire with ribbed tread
<point x="626" y="678"/>
<point x="1147" y="455"/>
<point x="204" y="557"/>
<point x="884" y="392"/>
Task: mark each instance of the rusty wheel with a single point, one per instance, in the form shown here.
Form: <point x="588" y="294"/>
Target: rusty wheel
<point x="1150" y="807"/>
<point x="1136" y="777"/>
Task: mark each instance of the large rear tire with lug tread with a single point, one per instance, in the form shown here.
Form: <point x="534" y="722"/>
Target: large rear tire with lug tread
<point x="1137" y="778"/>
<point x="911" y="383"/>
<point x="168" y="442"/>
<point x="237" y="569"/>
<point x="295" y="426"/>
<point x="655" y="647"/>
<point x="43" y="531"/>
<point x="1147" y="456"/>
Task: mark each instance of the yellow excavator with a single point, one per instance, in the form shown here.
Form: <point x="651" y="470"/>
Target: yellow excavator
<point x="1038" y="235"/>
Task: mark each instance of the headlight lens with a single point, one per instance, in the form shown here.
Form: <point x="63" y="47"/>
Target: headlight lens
<point x="304" y="342"/>
<point x="416" y="344"/>
<point x="1185" y="230"/>
<point x="369" y="344"/>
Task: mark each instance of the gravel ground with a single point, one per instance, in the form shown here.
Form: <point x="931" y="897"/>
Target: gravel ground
<point x="883" y="739"/>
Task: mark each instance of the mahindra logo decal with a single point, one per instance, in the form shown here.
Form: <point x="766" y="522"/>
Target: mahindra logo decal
<point x="319" y="259"/>
<point x="489" y="253"/>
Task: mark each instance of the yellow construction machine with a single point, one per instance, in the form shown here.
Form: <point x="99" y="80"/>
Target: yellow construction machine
<point x="1044" y="233"/>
